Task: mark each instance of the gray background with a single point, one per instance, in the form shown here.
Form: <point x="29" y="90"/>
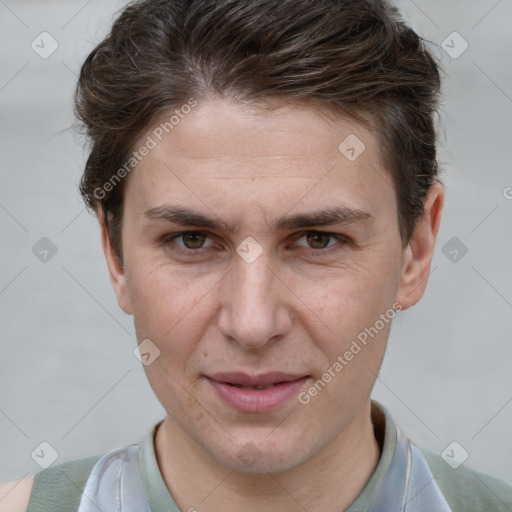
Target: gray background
<point x="67" y="372"/>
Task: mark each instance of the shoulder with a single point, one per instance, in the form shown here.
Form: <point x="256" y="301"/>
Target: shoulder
<point x="15" y="495"/>
<point x="55" y="489"/>
<point x="468" y="490"/>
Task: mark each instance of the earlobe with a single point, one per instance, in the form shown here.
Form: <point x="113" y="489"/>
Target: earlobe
<point x="115" y="269"/>
<point x="417" y="256"/>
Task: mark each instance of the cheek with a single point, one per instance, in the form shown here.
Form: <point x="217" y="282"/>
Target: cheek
<point x="346" y="326"/>
<point x="349" y="300"/>
<point x="170" y="311"/>
<point x="169" y="307"/>
<point x="352" y="339"/>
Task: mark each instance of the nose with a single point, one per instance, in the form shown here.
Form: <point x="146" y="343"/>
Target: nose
<point x="255" y="309"/>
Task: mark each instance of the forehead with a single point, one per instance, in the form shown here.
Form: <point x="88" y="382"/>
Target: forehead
<point x="225" y="129"/>
<point x="273" y="157"/>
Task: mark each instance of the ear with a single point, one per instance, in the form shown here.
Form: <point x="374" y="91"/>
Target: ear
<point x="417" y="256"/>
<point x="115" y="269"/>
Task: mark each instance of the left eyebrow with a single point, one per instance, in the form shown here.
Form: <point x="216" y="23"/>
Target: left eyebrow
<point x="329" y="216"/>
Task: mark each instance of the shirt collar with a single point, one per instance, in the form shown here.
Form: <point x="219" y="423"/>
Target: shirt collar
<point x="385" y="430"/>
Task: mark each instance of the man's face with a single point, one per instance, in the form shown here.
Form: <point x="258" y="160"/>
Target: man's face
<point x="255" y="294"/>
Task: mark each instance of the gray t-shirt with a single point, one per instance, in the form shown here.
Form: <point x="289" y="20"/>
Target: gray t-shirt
<point x="59" y="489"/>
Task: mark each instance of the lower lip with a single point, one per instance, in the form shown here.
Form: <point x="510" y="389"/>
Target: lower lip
<point x="257" y="400"/>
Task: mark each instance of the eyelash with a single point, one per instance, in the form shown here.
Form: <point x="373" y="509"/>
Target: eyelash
<point x="342" y="240"/>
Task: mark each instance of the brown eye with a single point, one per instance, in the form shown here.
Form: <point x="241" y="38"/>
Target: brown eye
<point x="318" y="240"/>
<point x="193" y="240"/>
<point x="321" y="243"/>
<point x="189" y="244"/>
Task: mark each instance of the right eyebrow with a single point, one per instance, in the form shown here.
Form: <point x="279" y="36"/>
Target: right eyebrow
<point x="185" y="217"/>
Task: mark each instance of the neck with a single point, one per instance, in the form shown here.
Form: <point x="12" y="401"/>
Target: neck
<point x="330" y="480"/>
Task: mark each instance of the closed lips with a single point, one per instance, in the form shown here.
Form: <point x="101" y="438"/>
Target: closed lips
<point x="253" y="387"/>
<point x="262" y="381"/>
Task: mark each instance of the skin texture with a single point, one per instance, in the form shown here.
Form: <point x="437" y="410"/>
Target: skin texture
<point x="295" y="308"/>
<point x="15" y="495"/>
<point x="288" y="310"/>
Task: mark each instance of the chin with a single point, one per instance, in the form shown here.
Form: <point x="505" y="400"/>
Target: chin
<point x="263" y="463"/>
<point x="262" y="457"/>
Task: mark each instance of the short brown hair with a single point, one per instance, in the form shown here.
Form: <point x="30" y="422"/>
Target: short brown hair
<point x="351" y="57"/>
